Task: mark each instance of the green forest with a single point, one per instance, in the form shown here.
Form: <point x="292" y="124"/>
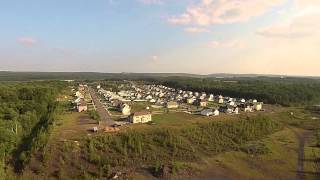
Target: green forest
<point x="287" y="92"/>
<point x="26" y="112"/>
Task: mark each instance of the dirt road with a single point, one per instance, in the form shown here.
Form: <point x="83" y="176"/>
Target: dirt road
<point x="303" y="138"/>
<point x="105" y="116"/>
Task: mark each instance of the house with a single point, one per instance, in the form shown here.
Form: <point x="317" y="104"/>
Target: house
<point x="232" y="103"/>
<point x="216" y="112"/>
<point x="246" y="107"/>
<point x="211" y="98"/>
<point x="149" y="97"/>
<point x="203" y="103"/>
<point x="140" y="117"/>
<point x="125" y="109"/>
<point x="229" y="109"/>
<point x="242" y="100"/>
<point x="220" y="101"/>
<point x="190" y="100"/>
<point x="257" y="106"/>
<point x="172" y="105"/>
<point x="236" y="110"/>
<point x="82" y="106"/>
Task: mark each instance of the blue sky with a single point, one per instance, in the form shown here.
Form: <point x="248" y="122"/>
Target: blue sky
<point x="193" y="36"/>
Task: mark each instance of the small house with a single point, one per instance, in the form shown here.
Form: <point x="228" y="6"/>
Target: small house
<point x="140" y="117"/>
<point x="125" y="109"/>
<point x="220" y="101"/>
<point x="190" y="100"/>
<point x="257" y="106"/>
<point x="203" y="103"/>
<point x="172" y="105"/>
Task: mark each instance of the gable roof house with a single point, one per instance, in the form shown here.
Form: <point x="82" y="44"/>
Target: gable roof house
<point x="140" y="117"/>
<point x="202" y="103"/>
<point x="125" y="109"/>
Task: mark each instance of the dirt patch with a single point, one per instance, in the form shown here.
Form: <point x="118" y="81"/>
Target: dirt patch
<point x="303" y="137"/>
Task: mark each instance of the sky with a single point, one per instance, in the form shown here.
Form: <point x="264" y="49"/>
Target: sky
<point x="177" y="36"/>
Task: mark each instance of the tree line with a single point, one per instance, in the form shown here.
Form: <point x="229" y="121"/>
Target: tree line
<point x="287" y="92"/>
<point x="26" y="112"/>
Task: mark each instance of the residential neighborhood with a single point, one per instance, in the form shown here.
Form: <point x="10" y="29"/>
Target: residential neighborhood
<point x="135" y="103"/>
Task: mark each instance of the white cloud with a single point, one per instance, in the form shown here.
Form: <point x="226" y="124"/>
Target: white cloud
<point x="27" y="41"/>
<point x="227" y="44"/>
<point x="209" y="12"/>
<point x="304" y="22"/>
<point x="196" y="30"/>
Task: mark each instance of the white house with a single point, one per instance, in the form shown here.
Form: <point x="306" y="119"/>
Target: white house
<point x="232" y="103"/>
<point x="172" y="105"/>
<point x="125" y="109"/>
<point x="211" y="98"/>
<point x="149" y="97"/>
<point x="216" y="112"/>
<point x="190" y="101"/>
<point x="257" y="106"/>
<point x="140" y="117"/>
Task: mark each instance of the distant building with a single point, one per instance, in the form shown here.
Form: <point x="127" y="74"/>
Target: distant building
<point x="125" y="109"/>
<point x="220" y="101"/>
<point x="140" y="117"/>
<point x="172" y="105"/>
<point x="190" y="100"/>
<point x="257" y="106"/>
<point x="202" y="103"/>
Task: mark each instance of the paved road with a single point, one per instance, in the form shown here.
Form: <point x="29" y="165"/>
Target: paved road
<point x="105" y="116"/>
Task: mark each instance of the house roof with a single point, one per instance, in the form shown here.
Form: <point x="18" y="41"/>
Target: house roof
<point x="141" y="113"/>
<point x="172" y="103"/>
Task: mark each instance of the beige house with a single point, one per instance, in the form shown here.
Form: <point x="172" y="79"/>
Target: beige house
<point x="140" y="117"/>
<point x="172" y="105"/>
<point x="125" y="109"/>
<point x="257" y="106"/>
<point x="203" y="103"/>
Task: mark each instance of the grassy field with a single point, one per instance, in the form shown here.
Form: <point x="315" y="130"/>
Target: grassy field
<point x="275" y="164"/>
<point x="184" y="142"/>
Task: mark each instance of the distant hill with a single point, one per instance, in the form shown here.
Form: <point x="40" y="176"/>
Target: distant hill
<point x="28" y="76"/>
